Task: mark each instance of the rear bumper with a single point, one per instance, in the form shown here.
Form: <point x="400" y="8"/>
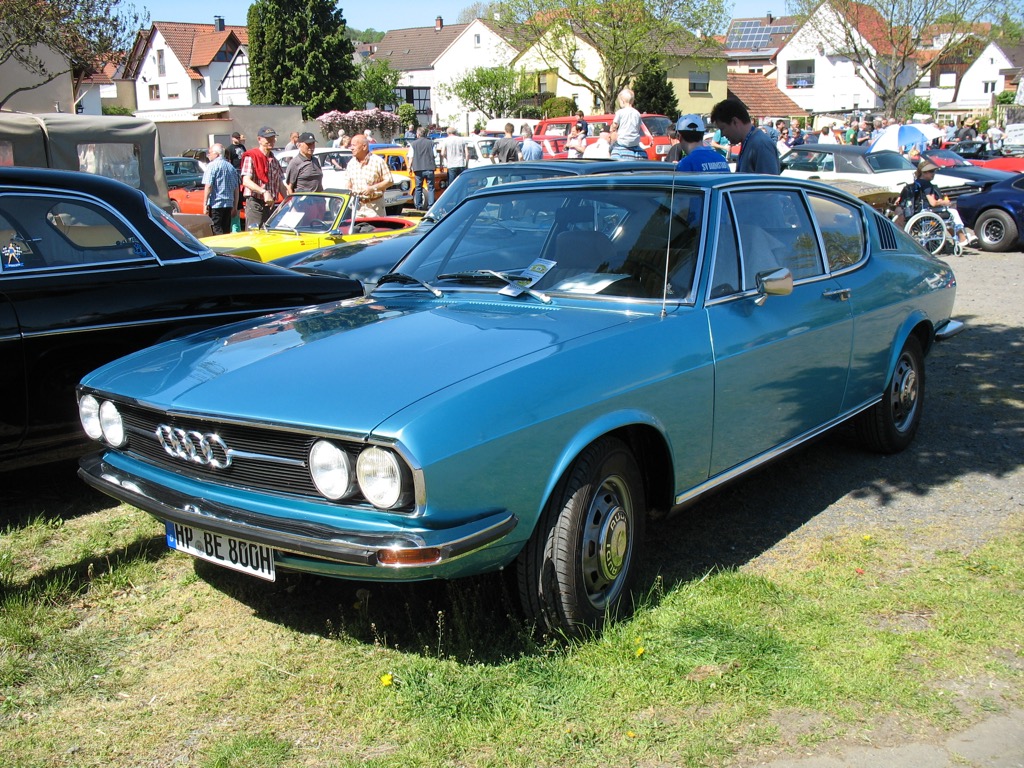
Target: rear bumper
<point x="949" y="329"/>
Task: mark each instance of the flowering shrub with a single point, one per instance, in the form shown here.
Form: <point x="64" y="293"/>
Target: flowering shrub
<point x="385" y="124"/>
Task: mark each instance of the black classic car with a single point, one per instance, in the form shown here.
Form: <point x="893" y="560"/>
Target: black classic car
<point x="90" y="271"/>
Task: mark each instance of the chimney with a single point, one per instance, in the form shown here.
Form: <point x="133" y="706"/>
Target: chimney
<point x="770" y="18"/>
<point x="438" y="24"/>
<point x="218" y="23"/>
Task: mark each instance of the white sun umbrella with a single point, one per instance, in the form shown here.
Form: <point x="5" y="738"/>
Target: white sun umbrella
<point x="899" y="137"/>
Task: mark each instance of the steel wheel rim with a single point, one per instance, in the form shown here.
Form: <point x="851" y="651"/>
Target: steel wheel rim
<point x="607" y="547"/>
<point x="903" y="395"/>
<point x="930" y="234"/>
<point x="993" y="231"/>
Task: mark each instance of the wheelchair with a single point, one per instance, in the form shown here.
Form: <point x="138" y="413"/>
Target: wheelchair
<point x="932" y="228"/>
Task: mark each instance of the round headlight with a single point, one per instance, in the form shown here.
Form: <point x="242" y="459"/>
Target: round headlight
<point x="380" y="477"/>
<point x="331" y="470"/>
<point x="89" y="414"/>
<point x="111" y="424"/>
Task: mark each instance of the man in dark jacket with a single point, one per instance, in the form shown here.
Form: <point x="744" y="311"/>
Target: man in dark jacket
<point x="423" y="166"/>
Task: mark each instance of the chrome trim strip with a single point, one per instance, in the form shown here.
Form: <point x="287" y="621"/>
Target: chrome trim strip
<point x="211" y="320"/>
<point x="291" y="536"/>
<point x="769" y="455"/>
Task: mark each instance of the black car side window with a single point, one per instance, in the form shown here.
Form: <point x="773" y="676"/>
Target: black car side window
<point x="59" y="233"/>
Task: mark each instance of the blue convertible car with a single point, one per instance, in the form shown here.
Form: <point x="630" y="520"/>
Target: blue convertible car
<point x="554" y="360"/>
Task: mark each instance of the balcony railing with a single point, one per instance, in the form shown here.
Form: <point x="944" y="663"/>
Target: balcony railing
<point x="800" y="80"/>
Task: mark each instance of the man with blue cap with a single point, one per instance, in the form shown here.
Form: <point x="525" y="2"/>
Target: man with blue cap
<point x="696" y="157"/>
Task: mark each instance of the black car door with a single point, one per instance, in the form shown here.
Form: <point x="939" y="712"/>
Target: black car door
<point x="12" y="377"/>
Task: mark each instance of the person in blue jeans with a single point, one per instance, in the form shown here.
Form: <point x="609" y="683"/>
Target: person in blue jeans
<point x="422" y="164"/>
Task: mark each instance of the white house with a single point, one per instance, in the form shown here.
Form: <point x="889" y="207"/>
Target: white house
<point x="429" y="57"/>
<point x="189" y="68"/>
<point x="818" y="78"/>
<point x="587" y="60"/>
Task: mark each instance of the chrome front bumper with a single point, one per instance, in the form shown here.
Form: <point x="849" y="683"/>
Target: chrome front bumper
<point x="306" y="539"/>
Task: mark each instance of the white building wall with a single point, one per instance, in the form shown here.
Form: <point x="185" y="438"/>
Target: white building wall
<point x="835" y="87"/>
<point x="589" y="62"/>
<point x="982" y="82"/>
<point x="477" y="46"/>
<point x="175" y="80"/>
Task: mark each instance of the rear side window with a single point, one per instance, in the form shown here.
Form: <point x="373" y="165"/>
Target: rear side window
<point x="42" y="232"/>
<point x="842" y="229"/>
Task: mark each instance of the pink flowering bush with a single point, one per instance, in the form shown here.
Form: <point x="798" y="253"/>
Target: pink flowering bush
<point x="384" y="124"/>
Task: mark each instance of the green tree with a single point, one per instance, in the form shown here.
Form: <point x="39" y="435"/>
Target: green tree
<point x="915" y="105"/>
<point x="654" y="93"/>
<point x="476" y="10"/>
<point x="883" y="38"/>
<point x="375" y="84"/>
<point x="495" y="91"/>
<point x="559" y="106"/>
<point x="407" y="115"/>
<point x="84" y="35"/>
<point x="299" y="54"/>
<point x="626" y="36"/>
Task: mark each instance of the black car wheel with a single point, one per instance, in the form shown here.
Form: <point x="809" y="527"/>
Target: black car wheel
<point x="890" y="425"/>
<point x="576" y="570"/>
<point x="996" y="231"/>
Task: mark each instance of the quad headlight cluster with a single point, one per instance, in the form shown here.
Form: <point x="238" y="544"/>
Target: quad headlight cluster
<point x="101" y="421"/>
<point x="379" y="474"/>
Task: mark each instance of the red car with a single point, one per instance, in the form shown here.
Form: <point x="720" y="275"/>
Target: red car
<point x="657" y="129"/>
<point x="978" y="153"/>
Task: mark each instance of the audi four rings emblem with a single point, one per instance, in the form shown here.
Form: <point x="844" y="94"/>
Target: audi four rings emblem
<point x="207" y="450"/>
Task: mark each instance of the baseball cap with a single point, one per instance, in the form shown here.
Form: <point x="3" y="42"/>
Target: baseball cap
<point x="307" y="138"/>
<point x="236" y="135"/>
<point x="267" y="132"/>
<point x="927" y="165"/>
<point x="690" y="123"/>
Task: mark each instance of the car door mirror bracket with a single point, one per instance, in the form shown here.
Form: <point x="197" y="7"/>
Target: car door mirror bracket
<point x="777" y="282"/>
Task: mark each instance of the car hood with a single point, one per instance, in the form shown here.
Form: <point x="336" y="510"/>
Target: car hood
<point x="241" y="243"/>
<point x="347" y="365"/>
<point x="974" y="173"/>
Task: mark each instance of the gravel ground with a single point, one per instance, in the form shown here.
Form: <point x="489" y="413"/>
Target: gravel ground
<point x="960" y="484"/>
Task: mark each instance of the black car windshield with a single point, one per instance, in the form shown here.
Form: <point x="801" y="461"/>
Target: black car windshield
<point x="167" y="222"/>
<point x="473" y="181"/>
<point x="590" y="241"/>
<point x="659" y="126"/>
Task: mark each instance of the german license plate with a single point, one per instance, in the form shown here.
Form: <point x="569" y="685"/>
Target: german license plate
<point x="243" y="556"/>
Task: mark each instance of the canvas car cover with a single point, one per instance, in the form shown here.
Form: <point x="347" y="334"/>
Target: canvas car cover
<point x="123" y="148"/>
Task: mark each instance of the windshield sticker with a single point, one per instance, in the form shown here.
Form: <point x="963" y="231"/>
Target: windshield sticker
<point x="12" y="256"/>
<point x="530" y="275"/>
<point x="290" y="219"/>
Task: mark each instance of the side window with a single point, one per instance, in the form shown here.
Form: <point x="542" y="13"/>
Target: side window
<point x="725" y="278"/>
<point x="775" y="231"/>
<point x="61" y="233"/>
<point x="842" y="230"/>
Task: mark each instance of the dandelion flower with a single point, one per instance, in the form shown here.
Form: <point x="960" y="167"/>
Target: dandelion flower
<point x="387" y="680"/>
<point x="639" y="651"/>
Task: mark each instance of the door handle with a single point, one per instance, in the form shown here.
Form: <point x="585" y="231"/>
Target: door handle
<point x="843" y="294"/>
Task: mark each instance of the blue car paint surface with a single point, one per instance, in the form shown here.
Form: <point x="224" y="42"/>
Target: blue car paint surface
<point x="489" y="391"/>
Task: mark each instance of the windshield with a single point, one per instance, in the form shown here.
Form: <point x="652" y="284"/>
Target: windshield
<point x="592" y="241"/>
<point x="888" y="161"/>
<point x="167" y="222"/>
<point x="309" y="213"/>
<point x="944" y="157"/>
<point x="659" y="126"/>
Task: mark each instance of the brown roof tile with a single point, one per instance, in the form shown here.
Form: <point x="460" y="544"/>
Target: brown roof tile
<point x="182" y="39"/>
<point x="761" y="96"/>
<point x="416" y="47"/>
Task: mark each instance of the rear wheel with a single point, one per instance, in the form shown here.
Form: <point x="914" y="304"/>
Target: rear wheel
<point x="996" y="231"/>
<point x="890" y="425"/>
<point x="578" y="566"/>
<point x="929" y="230"/>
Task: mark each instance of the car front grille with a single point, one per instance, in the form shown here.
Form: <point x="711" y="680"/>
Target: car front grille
<point x="262" y="459"/>
<point x="954" y="192"/>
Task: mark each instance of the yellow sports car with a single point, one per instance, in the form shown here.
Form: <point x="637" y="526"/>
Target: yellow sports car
<point x="306" y="221"/>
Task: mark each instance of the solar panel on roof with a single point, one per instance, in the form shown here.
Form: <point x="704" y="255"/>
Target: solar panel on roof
<point x="752" y="33"/>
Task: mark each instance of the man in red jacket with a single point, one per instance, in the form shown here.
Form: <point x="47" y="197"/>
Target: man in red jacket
<point x="261" y="179"/>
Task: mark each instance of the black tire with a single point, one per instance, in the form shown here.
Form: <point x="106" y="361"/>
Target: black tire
<point x="577" y="568"/>
<point x="996" y="231"/>
<point x="890" y="425"/>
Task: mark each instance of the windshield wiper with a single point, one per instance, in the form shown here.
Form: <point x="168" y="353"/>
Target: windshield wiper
<point x="489" y="276"/>
<point x="401" y="277"/>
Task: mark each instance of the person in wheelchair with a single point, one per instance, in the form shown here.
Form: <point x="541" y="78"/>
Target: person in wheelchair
<point x="922" y="195"/>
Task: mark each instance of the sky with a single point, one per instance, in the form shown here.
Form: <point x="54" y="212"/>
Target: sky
<point x="392" y="14"/>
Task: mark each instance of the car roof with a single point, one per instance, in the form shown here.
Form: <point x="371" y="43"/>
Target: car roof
<point x="113" y="191"/>
<point x="840" y="149"/>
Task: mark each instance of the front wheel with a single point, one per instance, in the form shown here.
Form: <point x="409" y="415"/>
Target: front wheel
<point x="890" y="425"/>
<point x="577" y="568"/>
<point x="929" y="230"/>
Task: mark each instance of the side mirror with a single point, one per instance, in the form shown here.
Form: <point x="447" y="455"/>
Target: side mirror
<point x="778" y="282"/>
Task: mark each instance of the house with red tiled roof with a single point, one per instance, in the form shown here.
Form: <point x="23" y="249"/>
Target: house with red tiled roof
<point x="761" y="97"/>
<point x="188" y="67"/>
<point x="430" y="57"/>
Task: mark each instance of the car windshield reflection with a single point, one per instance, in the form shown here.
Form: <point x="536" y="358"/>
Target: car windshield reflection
<point x="622" y="243"/>
<point x="309" y="213"/>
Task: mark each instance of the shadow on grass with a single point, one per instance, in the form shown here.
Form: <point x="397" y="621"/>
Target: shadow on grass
<point x="51" y="491"/>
